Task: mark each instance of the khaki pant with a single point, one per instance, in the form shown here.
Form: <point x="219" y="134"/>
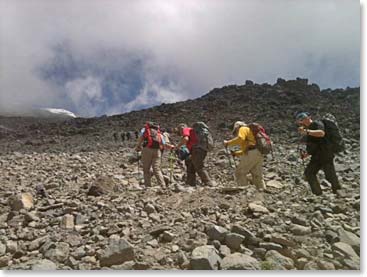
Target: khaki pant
<point x="251" y="162"/>
<point x="152" y="158"/>
<point x="195" y="164"/>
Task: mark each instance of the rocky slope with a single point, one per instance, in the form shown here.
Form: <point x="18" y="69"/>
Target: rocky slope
<point x="73" y="198"/>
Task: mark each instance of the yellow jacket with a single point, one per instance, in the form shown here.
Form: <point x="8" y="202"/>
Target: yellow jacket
<point x="244" y="139"/>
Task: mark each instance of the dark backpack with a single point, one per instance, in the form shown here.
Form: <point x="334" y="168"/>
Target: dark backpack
<point x="152" y="136"/>
<point x="263" y="142"/>
<point x="183" y="153"/>
<point x="333" y="136"/>
<point x="204" y="136"/>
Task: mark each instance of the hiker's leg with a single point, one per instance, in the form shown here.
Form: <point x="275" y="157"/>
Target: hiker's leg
<point x="330" y="175"/>
<point x="311" y="176"/>
<point x="157" y="167"/>
<point x="242" y="170"/>
<point x="257" y="170"/>
<point x="190" y="172"/>
<point x="197" y="158"/>
<point x="146" y="158"/>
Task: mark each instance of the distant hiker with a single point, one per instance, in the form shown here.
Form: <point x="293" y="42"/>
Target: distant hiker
<point x="320" y="146"/>
<point x="115" y="136"/>
<point x="153" y="142"/>
<point x="251" y="159"/>
<point x="136" y="134"/>
<point x="123" y="136"/>
<point x="195" y="162"/>
<point x="128" y="135"/>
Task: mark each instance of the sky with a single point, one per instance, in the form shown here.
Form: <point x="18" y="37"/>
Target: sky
<point x="96" y="57"/>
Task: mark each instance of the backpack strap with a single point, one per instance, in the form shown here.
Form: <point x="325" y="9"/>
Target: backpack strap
<point x="148" y="135"/>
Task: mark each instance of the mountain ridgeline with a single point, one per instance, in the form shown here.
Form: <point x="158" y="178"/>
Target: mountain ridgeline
<point x="274" y="106"/>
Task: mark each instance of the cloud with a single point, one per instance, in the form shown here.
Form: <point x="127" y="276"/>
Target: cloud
<point x="95" y="57"/>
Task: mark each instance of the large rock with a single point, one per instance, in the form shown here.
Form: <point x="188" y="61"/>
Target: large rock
<point x="242" y="231"/>
<point x="344" y="250"/>
<point x="4" y="261"/>
<point x="270" y="246"/>
<point x="37" y="243"/>
<point x="44" y="265"/>
<point x="300" y="230"/>
<point x="67" y="221"/>
<point x="204" y="258"/>
<point x="278" y="260"/>
<point x="239" y="261"/>
<point x="274" y="184"/>
<point x="103" y="185"/>
<point x="58" y="254"/>
<point x="2" y="249"/>
<point x="349" y="238"/>
<point x="215" y="232"/>
<point x="256" y="208"/>
<point x="234" y="240"/>
<point x="21" y="201"/>
<point x="117" y="252"/>
<point x="277" y="238"/>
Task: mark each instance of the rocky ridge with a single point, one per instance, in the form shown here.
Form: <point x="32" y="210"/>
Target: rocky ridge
<point x="73" y="198"/>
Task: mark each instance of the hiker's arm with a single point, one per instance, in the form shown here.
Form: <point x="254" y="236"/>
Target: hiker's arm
<point x="184" y="141"/>
<point x="242" y="135"/>
<point x="316" y="133"/>
<point x="312" y="133"/>
<point x="169" y="146"/>
<point x="139" y="142"/>
<point x="232" y="142"/>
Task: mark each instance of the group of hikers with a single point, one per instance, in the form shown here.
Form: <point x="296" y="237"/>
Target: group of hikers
<point x="125" y="136"/>
<point x="321" y="137"/>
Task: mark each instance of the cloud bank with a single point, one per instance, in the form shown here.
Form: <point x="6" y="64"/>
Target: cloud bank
<point x="108" y="57"/>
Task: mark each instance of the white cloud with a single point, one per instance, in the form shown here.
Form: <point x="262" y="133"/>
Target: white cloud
<point x="187" y="47"/>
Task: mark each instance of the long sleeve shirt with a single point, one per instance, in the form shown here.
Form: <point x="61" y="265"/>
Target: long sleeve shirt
<point x="244" y="139"/>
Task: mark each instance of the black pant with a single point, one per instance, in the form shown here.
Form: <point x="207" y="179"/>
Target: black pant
<point x="327" y="165"/>
<point x="195" y="164"/>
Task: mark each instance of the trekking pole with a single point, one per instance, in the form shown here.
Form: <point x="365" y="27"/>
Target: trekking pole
<point x="229" y="156"/>
<point x="138" y="159"/>
<point x="170" y="158"/>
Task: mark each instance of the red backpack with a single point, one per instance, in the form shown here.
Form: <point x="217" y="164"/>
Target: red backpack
<point x="263" y="142"/>
<point x="152" y="136"/>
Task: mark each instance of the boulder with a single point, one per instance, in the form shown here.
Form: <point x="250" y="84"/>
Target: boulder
<point x="349" y="238"/>
<point x="44" y="265"/>
<point x="278" y="260"/>
<point x="67" y="221"/>
<point x="239" y="261"/>
<point x="21" y="201"/>
<point x="117" y="252"/>
<point x="233" y="240"/>
<point x="344" y="250"/>
<point x="2" y="249"/>
<point x="215" y="232"/>
<point x="300" y="230"/>
<point x="103" y="185"/>
<point x="256" y="208"/>
<point x="59" y="253"/>
<point x="204" y="258"/>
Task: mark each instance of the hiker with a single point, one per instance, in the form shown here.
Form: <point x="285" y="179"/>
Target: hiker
<point x="128" y="135"/>
<point x="322" y="155"/>
<point x="153" y="142"/>
<point x="115" y="136"/>
<point x="123" y="136"/>
<point x="136" y="134"/>
<point x="195" y="162"/>
<point x="251" y="159"/>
